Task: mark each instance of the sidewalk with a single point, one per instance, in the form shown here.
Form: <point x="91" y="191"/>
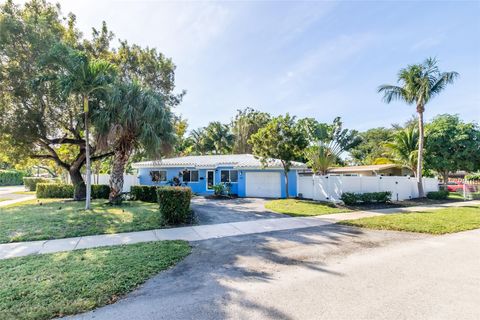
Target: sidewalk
<point x="197" y="233"/>
<point x="12" y="201"/>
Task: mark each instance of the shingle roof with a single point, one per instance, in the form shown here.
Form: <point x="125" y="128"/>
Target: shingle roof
<point x="376" y="167"/>
<point x="213" y="161"/>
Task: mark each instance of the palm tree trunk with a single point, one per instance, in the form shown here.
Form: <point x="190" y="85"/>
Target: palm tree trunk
<point x="87" y="155"/>
<point x="421" y="194"/>
<point x="120" y="159"/>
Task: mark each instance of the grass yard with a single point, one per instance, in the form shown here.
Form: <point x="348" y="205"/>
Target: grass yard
<point x="54" y="285"/>
<point x="302" y="208"/>
<point x="55" y="219"/>
<point x="25" y="192"/>
<point x="435" y="222"/>
<point x="4" y="199"/>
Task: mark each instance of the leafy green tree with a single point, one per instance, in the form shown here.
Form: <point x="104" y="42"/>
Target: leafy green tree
<point x="134" y="117"/>
<point x="83" y="77"/>
<point x="371" y="148"/>
<point x="403" y="147"/>
<point x="326" y="142"/>
<point x="217" y="138"/>
<point x="418" y="84"/>
<point x="451" y="145"/>
<point x="282" y="138"/>
<point x="42" y="121"/>
<point x="246" y="123"/>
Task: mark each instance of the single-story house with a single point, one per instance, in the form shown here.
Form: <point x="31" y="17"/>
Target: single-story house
<point x="373" y="170"/>
<point x="247" y="176"/>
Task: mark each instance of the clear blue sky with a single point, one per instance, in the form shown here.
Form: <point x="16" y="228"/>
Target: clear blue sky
<point x="316" y="59"/>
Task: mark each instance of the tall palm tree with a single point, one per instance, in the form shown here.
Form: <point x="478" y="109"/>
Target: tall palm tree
<point x="82" y="76"/>
<point x="418" y="84"/>
<point x="218" y="138"/>
<point x="404" y="147"/>
<point x="134" y="117"/>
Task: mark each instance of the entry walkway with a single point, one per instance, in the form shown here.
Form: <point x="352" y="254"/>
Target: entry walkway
<point x="197" y="233"/>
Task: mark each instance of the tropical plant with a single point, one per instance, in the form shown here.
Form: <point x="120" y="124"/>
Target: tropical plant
<point x="327" y="142"/>
<point x="217" y="138"/>
<point x="246" y="123"/>
<point x="403" y="147"/>
<point x="82" y="76"/>
<point x="282" y="138"/>
<point x="371" y="149"/>
<point x="418" y="84"/>
<point x="134" y="117"/>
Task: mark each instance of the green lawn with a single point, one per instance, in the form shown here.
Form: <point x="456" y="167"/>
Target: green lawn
<point x="436" y="222"/>
<point x="54" y="285"/>
<point x="4" y="199"/>
<point x="25" y="192"/>
<point x="302" y="208"/>
<point x="53" y="219"/>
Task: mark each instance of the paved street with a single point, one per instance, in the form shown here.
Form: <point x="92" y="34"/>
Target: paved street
<point x="324" y="272"/>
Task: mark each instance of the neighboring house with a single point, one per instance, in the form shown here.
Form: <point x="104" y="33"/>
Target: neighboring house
<point x="373" y="170"/>
<point x="245" y="174"/>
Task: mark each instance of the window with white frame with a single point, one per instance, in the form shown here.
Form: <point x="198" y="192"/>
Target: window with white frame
<point x="158" y="176"/>
<point x="228" y="176"/>
<point x="190" y="175"/>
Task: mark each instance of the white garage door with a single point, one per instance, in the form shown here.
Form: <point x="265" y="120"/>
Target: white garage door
<point x="263" y="184"/>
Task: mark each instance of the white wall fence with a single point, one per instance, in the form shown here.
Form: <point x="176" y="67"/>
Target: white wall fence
<point x="330" y="187"/>
<point x="128" y="180"/>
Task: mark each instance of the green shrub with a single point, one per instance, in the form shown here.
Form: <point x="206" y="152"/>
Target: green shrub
<point x="350" y="198"/>
<point x="31" y="182"/>
<point x="100" y="191"/>
<point x="219" y="189"/>
<point x="144" y="193"/>
<point x="174" y="204"/>
<point x="54" y="190"/>
<point x="438" y="195"/>
<point x="473" y="176"/>
<point x="11" y="177"/>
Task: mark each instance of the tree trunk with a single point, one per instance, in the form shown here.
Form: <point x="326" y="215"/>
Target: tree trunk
<point x="286" y="183"/>
<point x="87" y="157"/>
<point x="78" y="183"/>
<point x="120" y="159"/>
<point x="421" y="194"/>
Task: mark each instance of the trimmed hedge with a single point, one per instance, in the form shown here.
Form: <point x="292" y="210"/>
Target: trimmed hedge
<point x="54" y="190"/>
<point x="31" y="182"/>
<point x="144" y="193"/>
<point x="438" y="195"/>
<point x="11" y="177"/>
<point x="350" y="198"/>
<point x="174" y="204"/>
<point x="100" y="191"/>
<point x="65" y="191"/>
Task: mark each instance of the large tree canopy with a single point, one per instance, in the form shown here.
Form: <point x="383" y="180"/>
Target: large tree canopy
<point x="246" y="123"/>
<point x="452" y="145"/>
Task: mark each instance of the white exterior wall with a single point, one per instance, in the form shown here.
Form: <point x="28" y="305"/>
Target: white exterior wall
<point x="330" y="187"/>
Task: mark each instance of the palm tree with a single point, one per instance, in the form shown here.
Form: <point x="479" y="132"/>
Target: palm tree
<point x="134" y="117"/>
<point x="218" y="138"/>
<point x="418" y="84"/>
<point x="83" y="76"/>
<point x="404" y="147"/>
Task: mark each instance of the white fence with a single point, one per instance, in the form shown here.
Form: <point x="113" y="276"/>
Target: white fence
<point x="330" y="188"/>
<point x="128" y="180"/>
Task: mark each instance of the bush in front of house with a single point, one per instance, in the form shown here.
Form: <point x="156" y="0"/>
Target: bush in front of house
<point x="100" y="191"/>
<point x="438" y="195"/>
<point x="350" y="198"/>
<point x="174" y="204"/>
<point x="31" y="182"/>
<point x="11" y="177"/>
<point x="65" y="191"/>
<point x="144" y="193"/>
<point x="54" y="190"/>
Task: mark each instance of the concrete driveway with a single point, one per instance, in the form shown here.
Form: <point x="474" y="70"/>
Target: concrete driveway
<point x="210" y="211"/>
<point x="330" y="273"/>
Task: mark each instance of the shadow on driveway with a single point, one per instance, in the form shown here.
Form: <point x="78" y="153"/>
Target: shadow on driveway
<point x="210" y="211"/>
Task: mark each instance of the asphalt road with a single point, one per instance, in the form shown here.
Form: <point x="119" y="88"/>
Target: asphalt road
<point x="331" y="272"/>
